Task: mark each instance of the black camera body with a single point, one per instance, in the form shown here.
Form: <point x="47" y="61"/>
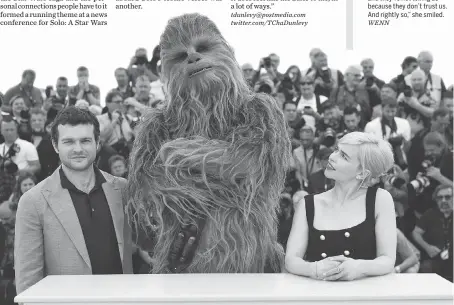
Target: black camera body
<point x="330" y="137"/>
<point x="369" y="82"/>
<point x="8" y="166"/>
<point x="287" y="83"/>
<point x="408" y="91"/>
<point x="267" y="62"/>
<point x="396" y="181"/>
<point x="396" y="141"/>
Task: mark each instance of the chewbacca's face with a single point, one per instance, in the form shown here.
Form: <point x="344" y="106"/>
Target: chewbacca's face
<point x="198" y="63"/>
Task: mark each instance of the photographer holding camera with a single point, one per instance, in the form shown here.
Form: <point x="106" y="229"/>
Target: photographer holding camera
<point x="270" y="65"/>
<point x="436" y="169"/>
<point x="139" y="65"/>
<point x="115" y="130"/>
<point x="329" y="126"/>
<point x="395" y="130"/>
<point x="433" y="234"/>
<point x="84" y="90"/>
<point x="416" y="97"/>
<point x="21" y="115"/>
<point x="325" y="78"/>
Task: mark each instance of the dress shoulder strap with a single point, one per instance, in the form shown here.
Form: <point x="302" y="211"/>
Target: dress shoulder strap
<point x="370" y="203"/>
<point x="309" y="202"/>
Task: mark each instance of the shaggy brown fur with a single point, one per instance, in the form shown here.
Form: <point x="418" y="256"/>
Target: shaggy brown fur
<point x="216" y="149"/>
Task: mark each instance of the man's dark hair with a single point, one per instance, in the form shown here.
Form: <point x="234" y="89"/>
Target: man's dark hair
<point x="82" y="68"/>
<point x="440" y="113"/>
<point x="408" y="61"/>
<point x="288" y="103"/>
<point x="111" y="95"/>
<point x="62" y="78"/>
<point x="327" y="105"/>
<point x="351" y="110"/>
<point x="74" y="116"/>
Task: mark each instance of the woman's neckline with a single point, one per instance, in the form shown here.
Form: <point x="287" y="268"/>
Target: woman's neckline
<point x="341" y="230"/>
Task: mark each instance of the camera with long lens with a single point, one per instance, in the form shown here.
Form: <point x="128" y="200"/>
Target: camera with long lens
<point x="329" y="137"/>
<point x="264" y="88"/>
<point x="420" y="183"/>
<point x="396" y="181"/>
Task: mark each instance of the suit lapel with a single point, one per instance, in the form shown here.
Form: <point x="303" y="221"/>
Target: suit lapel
<point x="114" y="199"/>
<point x="61" y="203"/>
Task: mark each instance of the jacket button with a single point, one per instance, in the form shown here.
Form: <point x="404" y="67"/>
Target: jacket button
<point x="322" y="237"/>
<point x="347" y="234"/>
<point x="347" y="253"/>
<point x="323" y="255"/>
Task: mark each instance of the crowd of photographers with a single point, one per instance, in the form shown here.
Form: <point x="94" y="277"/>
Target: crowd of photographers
<point x="412" y="111"/>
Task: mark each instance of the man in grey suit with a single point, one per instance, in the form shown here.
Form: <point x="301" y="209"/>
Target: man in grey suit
<point x="73" y="222"/>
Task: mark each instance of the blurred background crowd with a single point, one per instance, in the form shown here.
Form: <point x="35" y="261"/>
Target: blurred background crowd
<point x="413" y="111"/>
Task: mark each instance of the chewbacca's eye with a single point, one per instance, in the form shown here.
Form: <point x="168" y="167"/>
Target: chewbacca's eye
<point x="181" y="56"/>
<point x="202" y="48"/>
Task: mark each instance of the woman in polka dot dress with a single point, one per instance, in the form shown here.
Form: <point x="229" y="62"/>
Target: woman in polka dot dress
<point x="348" y="232"/>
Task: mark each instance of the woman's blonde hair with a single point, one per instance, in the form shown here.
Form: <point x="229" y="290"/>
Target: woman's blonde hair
<point x="375" y="155"/>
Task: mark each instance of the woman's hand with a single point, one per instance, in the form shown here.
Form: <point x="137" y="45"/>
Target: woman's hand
<point x="325" y="266"/>
<point x="348" y="269"/>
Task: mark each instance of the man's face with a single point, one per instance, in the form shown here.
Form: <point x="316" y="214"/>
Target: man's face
<point x="448" y="104"/>
<point x="418" y="81"/>
<point x="389" y="112"/>
<point x="115" y="104"/>
<point x="76" y="146"/>
<point x="307" y="138"/>
<point x="411" y="67"/>
<point x="62" y="88"/>
<point x="387" y="92"/>
<point x="330" y="114"/>
<point x="248" y="73"/>
<point x="37" y="122"/>
<point x="18" y="105"/>
<point x="29" y="79"/>
<point x="275" y="60"/>
<point x="368" y="69"/>
<point x="121" y="77"/>
<point x="290" y="112"/>
<point x="441" y="123"/>
<point x="426" y="62"/>
<point x="444" y="200"/>
<point x="143" y="88"/>
<point x="9" y="131"/>
<point x="353" y="79"/>
<point x="118" y="168"/>
<point x="432" y="152"/>
<point x="351" y="121"/>
<point x="320" y="61"/>
<point x="82" y="75"/>
<point x="307" y="87"/>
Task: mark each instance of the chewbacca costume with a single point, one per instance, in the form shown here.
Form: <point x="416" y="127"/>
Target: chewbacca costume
<point x="207" y="170"/>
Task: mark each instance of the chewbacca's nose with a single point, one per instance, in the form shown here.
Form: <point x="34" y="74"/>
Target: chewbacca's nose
<point x="194" y="57"/>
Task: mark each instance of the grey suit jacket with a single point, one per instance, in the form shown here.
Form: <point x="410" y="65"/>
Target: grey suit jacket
<point x="49" y="239"/>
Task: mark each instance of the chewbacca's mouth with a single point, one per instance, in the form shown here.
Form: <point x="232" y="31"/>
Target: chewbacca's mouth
<point x="199" y="70"/>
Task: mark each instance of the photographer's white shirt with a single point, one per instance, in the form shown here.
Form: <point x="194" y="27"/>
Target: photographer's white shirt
<point x="25" y="153"/>
<point x="403" y="129"/>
